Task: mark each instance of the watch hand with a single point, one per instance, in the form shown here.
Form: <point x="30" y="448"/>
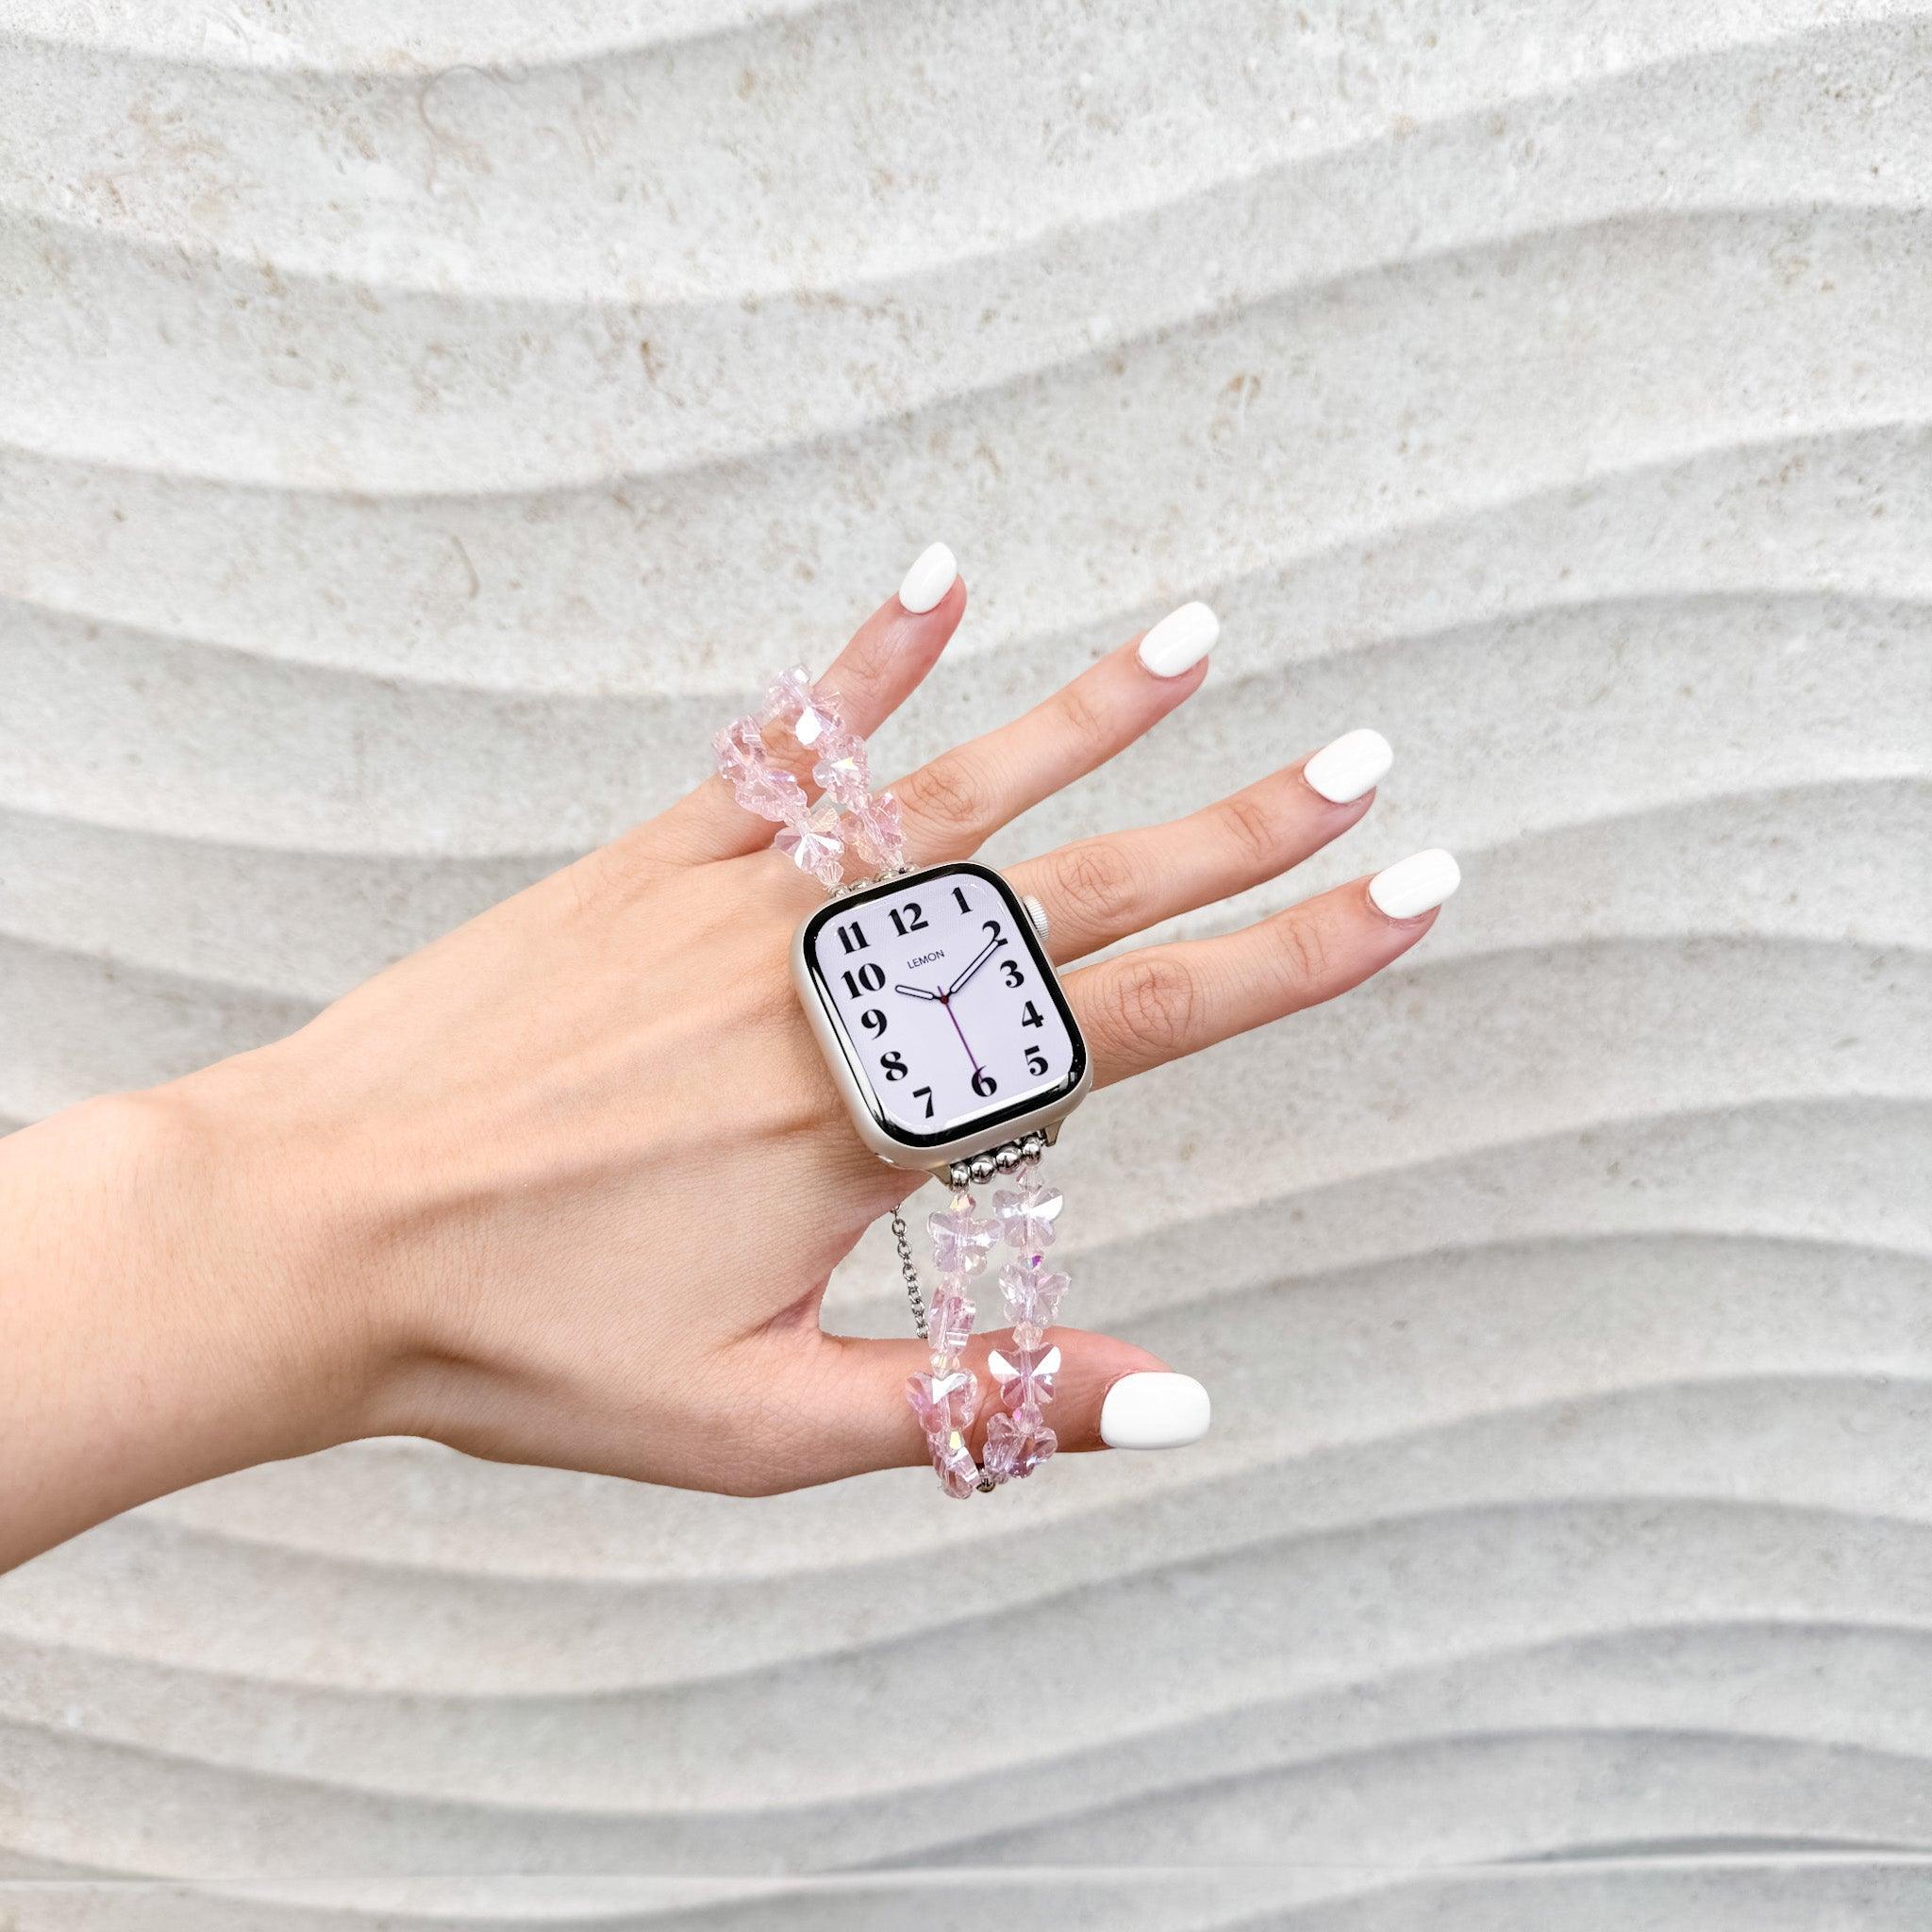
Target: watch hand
<point x="918" y="992"/>
<point x="978" y="960"/>
<point x="953" y="1017"/>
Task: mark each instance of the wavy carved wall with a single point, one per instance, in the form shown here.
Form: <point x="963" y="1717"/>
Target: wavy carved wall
<point x="412" y="431"/>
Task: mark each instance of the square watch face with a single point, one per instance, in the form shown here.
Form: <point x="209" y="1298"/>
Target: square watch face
<point x="944" y="1002"/>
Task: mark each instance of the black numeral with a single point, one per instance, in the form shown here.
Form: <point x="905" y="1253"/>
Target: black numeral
<point x="984" y="1085"/>
<point x="992" y="928"/>
<point x="1036" y="1061"/>
<point x="959" y="899"/>
<point x="874" y="1020"/>
<point x="851" y="937"/>
<point x="924" y="1093"/>
<point x="911" y="919"/>
<point x="894" y="1065"/>
<point x="868" y="978"/>
<point x="1030" y="1016"/>
<point x="1009" y="967"/>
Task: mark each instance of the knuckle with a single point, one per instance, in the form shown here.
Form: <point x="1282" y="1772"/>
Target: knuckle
<point x="1154" y="1003"/>
<point x="1085" y="716"/>
<point x="1099" y="882"/>
<point x="954" y="793"/>
<point x="1252" y="826"/>
<point x="1300" y="953"/>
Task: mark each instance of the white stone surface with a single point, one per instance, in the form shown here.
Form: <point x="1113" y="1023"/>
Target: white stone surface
<point x="417" y="424"/>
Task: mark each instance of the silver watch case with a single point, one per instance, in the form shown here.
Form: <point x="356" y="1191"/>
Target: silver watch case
<point x="999" y="1124"/>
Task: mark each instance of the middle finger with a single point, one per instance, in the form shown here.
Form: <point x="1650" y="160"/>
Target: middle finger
<point x="952" y="804"/>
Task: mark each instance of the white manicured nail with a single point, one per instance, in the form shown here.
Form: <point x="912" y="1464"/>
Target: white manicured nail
<point x="1355" y="763"/>
<point x="1180" y="641"/>
<point x="1416" y="885"/>
<point x="1155" y="1409"/>
<point x="929" y="579"/>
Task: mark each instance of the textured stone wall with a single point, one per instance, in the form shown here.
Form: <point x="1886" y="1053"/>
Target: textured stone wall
<point x="417" y="423"/>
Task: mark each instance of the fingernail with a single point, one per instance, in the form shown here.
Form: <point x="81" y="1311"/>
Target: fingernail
<point x="1155" y="1409"/>
<point x="1355" y="763"/>
<point x="930" y="577"/>
<point x="1415" y="885"/>
<point x="1180" y="641"/>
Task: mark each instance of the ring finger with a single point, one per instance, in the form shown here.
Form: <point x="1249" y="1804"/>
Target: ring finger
<point x="1101" y="890"/>
<point x="1162" y="1002"/>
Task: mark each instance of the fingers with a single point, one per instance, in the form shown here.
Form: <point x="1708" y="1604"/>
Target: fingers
<point x="888" y="656"/>
<point x="1101" y="890"/>
<point x="1109" y="1395"/>
<point x="1163" y="1001"/>
<point x="951" y="806"/>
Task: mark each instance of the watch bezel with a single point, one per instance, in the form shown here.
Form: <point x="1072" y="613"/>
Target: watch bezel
<point x="877" y="1128"/>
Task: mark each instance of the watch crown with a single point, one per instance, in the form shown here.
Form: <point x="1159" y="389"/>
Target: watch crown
<point x="1036" y="913"/>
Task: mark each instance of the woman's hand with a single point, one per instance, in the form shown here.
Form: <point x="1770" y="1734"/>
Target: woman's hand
<point x="566" y="1185"/>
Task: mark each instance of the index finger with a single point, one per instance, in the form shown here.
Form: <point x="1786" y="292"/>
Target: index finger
<point x="886" y="660"/>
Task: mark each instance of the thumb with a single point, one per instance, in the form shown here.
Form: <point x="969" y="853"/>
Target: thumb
<point x="1109" y="1395"/>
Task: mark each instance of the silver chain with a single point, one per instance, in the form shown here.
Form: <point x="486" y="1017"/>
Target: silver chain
<point x="910" y="1273"/>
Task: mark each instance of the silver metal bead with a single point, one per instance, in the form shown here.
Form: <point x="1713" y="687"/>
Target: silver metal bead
<point x="982" y="1169"/>
<point x="1006" y="1158"/>
<point x="1033" y="1147"/>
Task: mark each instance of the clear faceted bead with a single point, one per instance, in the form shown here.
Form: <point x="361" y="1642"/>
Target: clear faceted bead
<point x="1029" y="1212"/>
<point x="1016" y="1445"/>
<point x="820" y="853"/>
<point x="1025" y="1374"/>
<point x="958" y="1473"/>
<point x="841" y="772"/>
<point x="943" y="1402"/>
<point x="962" y="1239"/>
<point x="1032" y="1292"/>
<point x="877" y="832"/>
<point x="949" y="1322"/>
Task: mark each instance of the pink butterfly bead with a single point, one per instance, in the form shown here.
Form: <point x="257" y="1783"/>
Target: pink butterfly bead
<point x="841" y="772"/>
<point x="1032" y="1292"/>
<point x="958" y="1472"/>
<point x="814" y="851"/>
<point x="946" y="1400"/>
<point x="1027" y="1214"/>
<point x="1016" y="1446"/>
<point x="962" y="1239"/>
<point x="1025" y="1376"/>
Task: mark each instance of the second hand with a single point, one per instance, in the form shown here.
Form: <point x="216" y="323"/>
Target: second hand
<point x="946" y="1002"/>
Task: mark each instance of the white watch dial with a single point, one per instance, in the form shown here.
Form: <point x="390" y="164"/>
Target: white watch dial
<point x="946" y="1003"/>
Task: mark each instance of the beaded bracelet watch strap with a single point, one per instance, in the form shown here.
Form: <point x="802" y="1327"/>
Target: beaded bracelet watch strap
<point x="848" y="821"/>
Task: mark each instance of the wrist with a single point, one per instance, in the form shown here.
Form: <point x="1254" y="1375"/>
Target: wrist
<point x="272" y="1238"/>
<point x="163" y="1312"/>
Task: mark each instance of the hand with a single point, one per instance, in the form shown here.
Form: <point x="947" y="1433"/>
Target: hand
<point x="919" y="993"/>
<point x="973" y="965"/>
<point x="566" y="1185"/>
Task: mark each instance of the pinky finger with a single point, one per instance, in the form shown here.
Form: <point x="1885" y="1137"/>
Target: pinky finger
<point x="1163" y="1003"/>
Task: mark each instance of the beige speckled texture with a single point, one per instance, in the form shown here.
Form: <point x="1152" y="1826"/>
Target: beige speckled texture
<point x="417" y="424"/>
